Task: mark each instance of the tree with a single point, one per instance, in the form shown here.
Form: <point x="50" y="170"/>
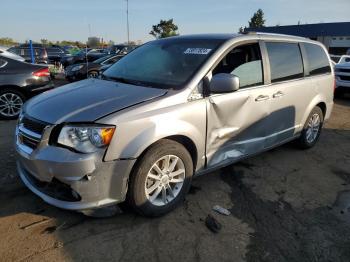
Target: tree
<point x="6" y="41"/>
<point x="164" y="29"/>
<point x="257" y="19"/>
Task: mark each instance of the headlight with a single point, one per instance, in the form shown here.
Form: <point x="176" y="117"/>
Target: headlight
<point x="86" y="139"/>
<point x="70" y="58"/>
<point x="76" y="68"/>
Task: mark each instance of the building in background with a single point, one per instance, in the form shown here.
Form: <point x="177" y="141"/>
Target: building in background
<point x="335" y="36"/>
<point x="94" y="42"/>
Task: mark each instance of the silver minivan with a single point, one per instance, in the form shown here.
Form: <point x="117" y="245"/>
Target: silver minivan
<point x="169" y="110"/>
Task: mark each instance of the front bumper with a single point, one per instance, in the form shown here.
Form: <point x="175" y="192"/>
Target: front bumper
<point x="74" y="76"/>
<point x="71" y="180"/>
<point x="343" y="84"/>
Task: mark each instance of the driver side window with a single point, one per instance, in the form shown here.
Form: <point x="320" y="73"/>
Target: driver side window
<point x="245" y="62"/>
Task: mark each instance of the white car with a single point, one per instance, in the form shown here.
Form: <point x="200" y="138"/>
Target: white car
<point x="5" y="53"/>
<point x="342" y="75"/>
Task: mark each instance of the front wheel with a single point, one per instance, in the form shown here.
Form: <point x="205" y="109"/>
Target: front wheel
<point x="161" y="179"/>
<point x="93" y="74"/>
<point x="312" y="129"/>
<point x="11" y="102"/>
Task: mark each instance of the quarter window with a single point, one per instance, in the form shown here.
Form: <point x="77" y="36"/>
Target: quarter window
<point x="317" y="58"/>
<point x="245" y="62"/>
<point x="285" y="61"/>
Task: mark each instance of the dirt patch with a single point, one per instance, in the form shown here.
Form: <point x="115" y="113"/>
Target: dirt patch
<point x="284" y="234"/>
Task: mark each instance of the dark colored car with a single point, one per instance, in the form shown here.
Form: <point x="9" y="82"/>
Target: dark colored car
<point x="82" y="56"/>
<point x="55" y="53"/>
<point x="91" y="70"/>
<point x="121" y="49"/>
<point x="18" y="82"/>
<point x="40" y="53"/>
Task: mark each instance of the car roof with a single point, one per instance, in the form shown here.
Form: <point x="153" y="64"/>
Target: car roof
<point x="232" y="36"/>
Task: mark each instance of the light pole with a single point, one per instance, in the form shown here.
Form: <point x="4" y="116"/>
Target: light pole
<point x="127" y="19"/>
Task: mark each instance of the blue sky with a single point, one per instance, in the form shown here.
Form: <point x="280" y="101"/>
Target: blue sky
<point x="68" y="20"/>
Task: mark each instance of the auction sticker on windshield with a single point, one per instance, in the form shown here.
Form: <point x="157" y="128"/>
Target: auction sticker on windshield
<point x="197" y="51"/>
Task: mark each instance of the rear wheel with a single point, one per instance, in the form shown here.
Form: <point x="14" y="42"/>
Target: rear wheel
<point x="312" y="129"/>
<point x="161" y="179"/>
<point x="11" y="102"/>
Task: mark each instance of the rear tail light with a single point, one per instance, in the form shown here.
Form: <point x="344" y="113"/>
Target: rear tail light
<point x="42" y="72"/>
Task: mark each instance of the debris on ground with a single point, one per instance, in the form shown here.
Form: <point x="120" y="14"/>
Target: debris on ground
<point x="213" y="225"/>
<point x="37" y="223"/>
<point x="221" y="210"/>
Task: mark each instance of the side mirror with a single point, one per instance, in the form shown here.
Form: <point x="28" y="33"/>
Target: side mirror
<point x="224" y="83"/>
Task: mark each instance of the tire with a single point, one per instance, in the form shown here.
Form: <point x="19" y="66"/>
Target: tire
<point x="17" y="99"/>
<point x="93" y="74"/>
<point x="310" y="135"/>
<point x="147" y="204"/>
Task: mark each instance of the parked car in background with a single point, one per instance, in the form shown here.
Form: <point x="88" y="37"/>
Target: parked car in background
<point x="171" y="109"/>
<point x="4" y="52"/>
<point x="121" y="49"/>
<point x="82" y="56"/>
<point x="40" y="54"/>
<point x="342" y="76"/>
<point x="335" y="58"/>
<point x="18" y="82"/>
<point x="90" y="70"/>
<point x="55" y="53"/>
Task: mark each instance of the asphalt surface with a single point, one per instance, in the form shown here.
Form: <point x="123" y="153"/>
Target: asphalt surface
<point x="286" y="205"/>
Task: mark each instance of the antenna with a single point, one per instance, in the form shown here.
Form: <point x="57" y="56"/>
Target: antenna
<point x="127" y="19"/>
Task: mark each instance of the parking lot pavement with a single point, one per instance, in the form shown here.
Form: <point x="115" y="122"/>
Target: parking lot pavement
<point x="286" y="205"/>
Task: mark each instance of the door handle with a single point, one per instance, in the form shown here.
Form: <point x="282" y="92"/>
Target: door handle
<point x="278" y="94"/>
<point x="262" y="98"/>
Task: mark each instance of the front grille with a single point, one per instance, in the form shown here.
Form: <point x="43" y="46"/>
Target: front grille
<point x="29" y="142"/>
<point x="55" y="189"/>
<point x="345" y="78"/>
<point x="33" y="125"/>
<point x="344" y="70"/>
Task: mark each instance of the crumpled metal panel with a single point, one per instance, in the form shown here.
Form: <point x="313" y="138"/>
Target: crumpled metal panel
<point x="235" y="126"/>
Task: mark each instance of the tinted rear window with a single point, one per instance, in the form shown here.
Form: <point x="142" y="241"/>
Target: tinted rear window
<point x="317" y="58"/>
<point x="54" y="50"/>
<point x="285" y="61"/>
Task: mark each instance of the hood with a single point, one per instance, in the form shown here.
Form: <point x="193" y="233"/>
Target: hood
<point x="87" y="100"/>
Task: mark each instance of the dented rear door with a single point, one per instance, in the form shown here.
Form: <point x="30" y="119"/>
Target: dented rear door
<point x="237" y="124"/>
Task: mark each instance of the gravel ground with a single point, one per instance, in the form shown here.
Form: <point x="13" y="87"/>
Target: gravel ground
<point x="286" y="205"/>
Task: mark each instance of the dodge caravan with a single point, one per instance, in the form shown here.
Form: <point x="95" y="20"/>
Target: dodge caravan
<point x="171" y="109"/>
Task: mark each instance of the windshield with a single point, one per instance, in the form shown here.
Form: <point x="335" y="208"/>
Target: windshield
<point x="166" y="63"/>
<point x="100" y="60"/>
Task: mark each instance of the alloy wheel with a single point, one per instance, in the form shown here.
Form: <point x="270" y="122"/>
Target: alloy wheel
<point x="165" y="180"/>
<point x="10" y="104"/>
<point x="93" y="74"/>
<point x="313" y="128"/>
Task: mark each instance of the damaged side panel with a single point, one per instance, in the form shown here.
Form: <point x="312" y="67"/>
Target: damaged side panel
<point x="236" y="125"/>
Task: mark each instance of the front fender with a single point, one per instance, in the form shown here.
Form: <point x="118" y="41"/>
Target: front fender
<point x="137" y="130"/>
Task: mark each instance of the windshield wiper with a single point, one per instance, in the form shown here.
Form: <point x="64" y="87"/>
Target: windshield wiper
<point x="124" y="80"/>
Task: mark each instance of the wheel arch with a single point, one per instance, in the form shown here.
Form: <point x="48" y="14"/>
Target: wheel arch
<point x="181" y="139"/>
<point x="317" y="101"/>
<point x="323" y="107"/>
